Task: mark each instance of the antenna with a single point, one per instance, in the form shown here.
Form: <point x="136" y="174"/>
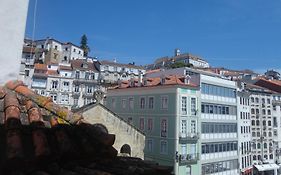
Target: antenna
<point x="34" y="26"/>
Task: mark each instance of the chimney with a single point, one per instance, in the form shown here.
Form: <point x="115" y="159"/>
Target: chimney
<point x="177" y="52"/>
<point x="163" y="79"/>
<point x="140" y="78"/>
<point x="187" y="79"/>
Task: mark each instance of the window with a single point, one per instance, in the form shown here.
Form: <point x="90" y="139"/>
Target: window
<point x="193" y="106"/>
<point x="142" y="102"/>
<point x="113" y="103"/>
<point x="74" y="50"/>
<point x="87" y="75"/>
<point x="77" y="74"/>
<point x="26" y="73"/>
<point x="64" y="98"/>
<point x="141" y="123"/>
<point x="75" y="102"/>
<point x="164" y="127"/>
<point x="149" y="145"/>
<point x="163" y="147"/>
<point x="54" y="97"/>
<point x="151" y="102"/>
<point x="65" y="85"/>
<point x="123" y="103"/>
<point x="131" y="103"/>
<point x="184" y="105"/>
<point x="76" y="88"/>
<point x="193" y="126"/>
<point x="164" y="102"/>
<point x="89" y="89"/>
<point x="54" y="84"/>
<point x="56" y="47"/>
<point x="183" y="126"/>
<point x="150" y="124"/>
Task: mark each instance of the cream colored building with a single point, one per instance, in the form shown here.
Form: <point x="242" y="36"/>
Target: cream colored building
<point x="129" y="139"/>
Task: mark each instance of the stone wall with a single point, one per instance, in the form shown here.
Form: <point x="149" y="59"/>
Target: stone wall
<point x="125" y="133"/>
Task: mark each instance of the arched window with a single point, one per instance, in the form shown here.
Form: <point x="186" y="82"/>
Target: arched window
<point x="258" y="134"/>
<point x="271" y="156"/>
<point x="265" y="145"/>
<point x="258" y="145"/>
<point x="254" y="157"/>
<point x="259" y="157"/>
<point x="264" y="134"/>
<point x="126" y="149"/>
<point x="257" y="100"/>
<point x="252" y="99"/>
<point x="268" y="112"/>
<point x="263" y="112"/>
<point x="265" y="156"/>
<point x="252" y="111"/>
<point x="264" y="123"/>
<point x="269" y="123"/>
<point x="254" y="146"/>
<point x="258" y="123"/>
<point x="257" y="111"/>
<point x="253" y="122"/>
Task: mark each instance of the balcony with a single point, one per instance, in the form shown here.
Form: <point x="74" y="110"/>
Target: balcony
<point x="188" y="137"/>
<point x="187" y="159"/>
<point x="84" y="81"/>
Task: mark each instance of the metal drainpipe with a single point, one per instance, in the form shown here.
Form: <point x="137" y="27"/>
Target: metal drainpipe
<point x="176" y="168"/>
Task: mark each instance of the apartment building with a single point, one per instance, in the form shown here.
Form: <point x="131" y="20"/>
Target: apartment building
<point x="219" y="120"/>
<point x="112" y="72"/>
<point x="167" y="110"/>
<point x="71" y="85"/>
<point x="219" y="136"/>
<point x="244" y="130"/>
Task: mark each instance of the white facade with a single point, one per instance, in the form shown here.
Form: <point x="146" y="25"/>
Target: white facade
<point x="71" y="52"/>
<point x="244" y="131"/>
<point x="13" y="20"/>
<point x="276" y="113"/>
<point x="219" y="135"/>
<point x="111" y="72"/>
<point x="262" y="127"/>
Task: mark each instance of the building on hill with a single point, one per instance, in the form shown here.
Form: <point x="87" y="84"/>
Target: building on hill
<point x="112" y="72"/>
<point x="129" y="139"/>
<point x="167" y="110"/>
<point x="55" y="51"/>
<point x="186" y="58"/>
<point x="71" y="85"/>
<point x="272" y="74"/>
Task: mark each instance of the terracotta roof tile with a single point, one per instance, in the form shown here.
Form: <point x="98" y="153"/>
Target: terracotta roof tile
<point x="156" y="81"/>
<point x="32" y="141"/>
<point x="40" y="66"/>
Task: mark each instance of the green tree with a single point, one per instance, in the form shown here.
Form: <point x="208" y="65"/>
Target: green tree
<point x="84" y="45"/>
<point x="180" y="64"/>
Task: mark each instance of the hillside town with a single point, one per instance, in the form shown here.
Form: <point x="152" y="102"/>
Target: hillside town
<point x="66" y="112"/>
<point x="196" y="118"/>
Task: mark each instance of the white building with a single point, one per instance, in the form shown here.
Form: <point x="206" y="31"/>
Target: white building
<point x="13" y="20"/>
<point x="244" y="131"/>
<point x="111" y="72"/>
<point x="219" y="136"/>
<point x="70" y="85"/>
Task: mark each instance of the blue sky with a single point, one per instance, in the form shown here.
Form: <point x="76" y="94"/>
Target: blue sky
<point x="236" y="34"/>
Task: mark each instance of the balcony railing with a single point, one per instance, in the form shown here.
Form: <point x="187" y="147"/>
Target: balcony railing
<point x="188" y="158"/>
<point x="188" y="137"/>
<point x="83" y="80"/>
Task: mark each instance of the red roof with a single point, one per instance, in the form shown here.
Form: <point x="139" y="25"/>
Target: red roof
<point x="150" y="82"/>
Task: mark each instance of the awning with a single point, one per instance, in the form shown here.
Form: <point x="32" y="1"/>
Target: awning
<point x="266" y="167"/>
